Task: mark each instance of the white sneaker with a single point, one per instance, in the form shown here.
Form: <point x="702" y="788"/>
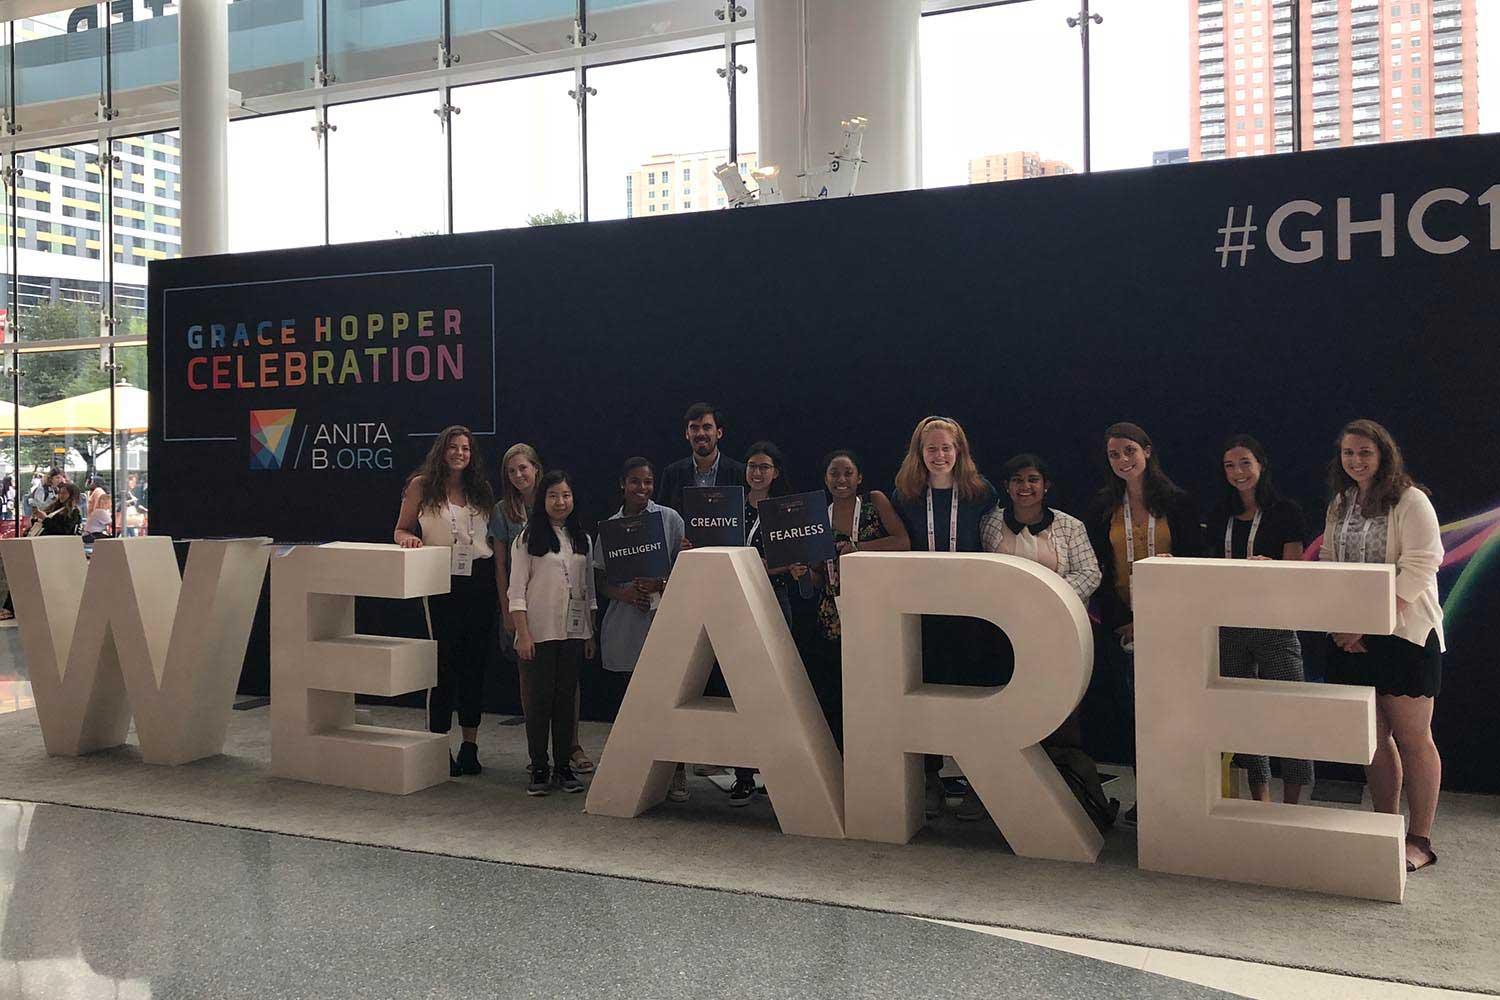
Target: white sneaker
<point x="677" y="791"/>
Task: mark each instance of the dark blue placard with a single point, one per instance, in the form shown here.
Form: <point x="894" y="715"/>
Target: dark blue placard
<point x="634" y="547"/>
<point x="714" y="515"/>
<point x="796" y="529"/>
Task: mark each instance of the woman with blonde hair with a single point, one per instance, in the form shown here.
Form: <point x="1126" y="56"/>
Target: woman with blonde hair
<point x="942" y="498"/>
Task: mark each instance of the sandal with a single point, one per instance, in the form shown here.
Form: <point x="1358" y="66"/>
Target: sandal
<point x="580" y="762"/>
<point x="1425" y="844"/>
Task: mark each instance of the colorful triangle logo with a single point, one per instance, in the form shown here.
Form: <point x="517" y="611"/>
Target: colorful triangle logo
<point x="270" y="430"/>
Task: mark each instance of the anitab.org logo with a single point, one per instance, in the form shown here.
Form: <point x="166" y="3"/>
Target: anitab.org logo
<point x="270" y="430"/>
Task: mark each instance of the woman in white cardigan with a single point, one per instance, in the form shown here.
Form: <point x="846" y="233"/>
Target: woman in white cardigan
<point x="1377" y="514"/>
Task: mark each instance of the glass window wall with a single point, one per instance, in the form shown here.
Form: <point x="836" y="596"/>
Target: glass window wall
<point x="379" y="189"/>
<point x="265" y="211"/>
<point x="658" y="128"/>
<point x="1000" y="119"/>
<point x="515" y="154"/>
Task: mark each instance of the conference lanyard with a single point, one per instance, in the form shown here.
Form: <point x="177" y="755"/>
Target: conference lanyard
<point x="750" y="538"/>
<point x="461" y="562"/>
<point x="833" y="564"/>
<point x="1249" y="542"/>
<point x="574" y="622"/>
<point x="1130" y="534"/>
<point x="952" y="524"/>
<point x="1342" y="551"/>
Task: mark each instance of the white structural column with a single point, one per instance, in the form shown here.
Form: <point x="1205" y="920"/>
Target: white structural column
<point x="203" y="54"/>
<point x="860" y="59"/>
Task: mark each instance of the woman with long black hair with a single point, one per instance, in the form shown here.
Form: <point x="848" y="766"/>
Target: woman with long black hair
<point x="447" y="501"/>
<point x="1138" y="513"/>
<point x="1255" y="521"/>
<point x="552" y="601"/>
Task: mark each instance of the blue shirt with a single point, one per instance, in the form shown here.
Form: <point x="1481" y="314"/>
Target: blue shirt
<point x="625" y="625"/>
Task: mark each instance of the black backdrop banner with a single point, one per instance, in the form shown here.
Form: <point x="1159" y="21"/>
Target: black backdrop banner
<point x="1278" y="295"/>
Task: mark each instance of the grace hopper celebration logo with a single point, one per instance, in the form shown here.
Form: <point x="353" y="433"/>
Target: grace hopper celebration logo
<point x="270" y="430"/>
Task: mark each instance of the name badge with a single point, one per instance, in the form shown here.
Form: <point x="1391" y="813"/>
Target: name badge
<point x="576" y="623"/>
<point x="461" y="560"/>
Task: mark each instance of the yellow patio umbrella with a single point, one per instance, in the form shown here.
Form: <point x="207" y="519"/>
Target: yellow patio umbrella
<point x="87" y="413"/>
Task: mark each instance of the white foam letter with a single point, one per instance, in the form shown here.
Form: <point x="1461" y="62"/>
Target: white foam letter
<point x="125" y="633"/>
<point x="1186" y="715"/>
<point x="719" y="603"/>
<point x="891" y="717"/>
<point x="318" y="663"/>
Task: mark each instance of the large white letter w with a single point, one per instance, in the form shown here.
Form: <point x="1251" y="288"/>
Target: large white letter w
<point x="124" y="632"/>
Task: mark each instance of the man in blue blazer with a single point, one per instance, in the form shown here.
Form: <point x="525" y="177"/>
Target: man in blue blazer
<point x="707" y="465"/>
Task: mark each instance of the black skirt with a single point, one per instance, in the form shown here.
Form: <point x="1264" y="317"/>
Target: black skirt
<point x="1393" y="666"/>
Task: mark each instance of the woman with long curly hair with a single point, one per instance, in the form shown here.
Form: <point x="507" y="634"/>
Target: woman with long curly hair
<point x="448" y="501"/>
<point x="1378" y="514"/>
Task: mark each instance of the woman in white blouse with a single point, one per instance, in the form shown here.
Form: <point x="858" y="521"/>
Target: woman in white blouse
<point x="552" y="602"/>
<point x="447" y="502"/>
<point x="1029" y="529"/>
<point x="1377" y="514"/>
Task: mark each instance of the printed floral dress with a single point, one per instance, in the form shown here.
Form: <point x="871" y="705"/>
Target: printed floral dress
<point x="870" y="527"/>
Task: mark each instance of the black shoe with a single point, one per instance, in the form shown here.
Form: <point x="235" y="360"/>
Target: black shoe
<point x="540" y="780"/>
<point x="567" y="781"/>
<point x="468" y="759"/>
<point x="742" y="791"/>
<point x="453" y="769"/>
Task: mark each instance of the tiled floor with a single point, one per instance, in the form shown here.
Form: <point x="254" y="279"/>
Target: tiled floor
<point x="102" y="904"/>
<point x="1247" y="979"/>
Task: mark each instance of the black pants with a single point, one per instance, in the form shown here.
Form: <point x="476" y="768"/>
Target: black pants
<point x="551" y="686"/>
<point x="463" y="623"/>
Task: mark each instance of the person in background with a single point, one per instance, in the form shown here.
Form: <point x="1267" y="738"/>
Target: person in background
<point x="860" y="520"/>
<point x="1254" y="521"/>
<point x="521" y="467"/>
<point x="134" y="505"/>
<point x="632" y="607"/>
<point x="707" y="465"/>
<point x="1029" y="529"/>
<point x="44" y="490"/>
<point x="1378" y="514"/>
<point x="100" y="517"/>
<point x="62" y="516"/>
<point x="8" y="498"/>
<point x="1138" y="513"/>
<point x="447" y="502"/>
<point x="941" y="498"/>
<point x="553" y="603"/>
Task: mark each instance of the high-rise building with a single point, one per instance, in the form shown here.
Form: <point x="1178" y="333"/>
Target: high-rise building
<point x="1371" y="71"/>
<point x="1013" y="166"/>
<point x="1163" y="157"/>
<point x="672" y="183"/>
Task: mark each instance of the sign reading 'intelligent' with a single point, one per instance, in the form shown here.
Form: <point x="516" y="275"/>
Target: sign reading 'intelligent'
<point x="400" y="353"/>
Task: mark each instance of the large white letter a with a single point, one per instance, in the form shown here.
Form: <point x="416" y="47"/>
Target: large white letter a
<point x="720" y="603"/>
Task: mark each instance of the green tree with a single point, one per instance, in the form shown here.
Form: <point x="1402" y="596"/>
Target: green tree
<point x="57" y="375"/>
<point x="556" y="217"/>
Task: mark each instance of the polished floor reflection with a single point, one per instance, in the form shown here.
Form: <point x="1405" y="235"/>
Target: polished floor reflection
<point x="103" y="904"/>
<point x="15" y="689"/>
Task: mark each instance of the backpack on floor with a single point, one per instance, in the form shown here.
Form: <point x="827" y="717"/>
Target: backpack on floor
<point x="1078" y="770"/>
